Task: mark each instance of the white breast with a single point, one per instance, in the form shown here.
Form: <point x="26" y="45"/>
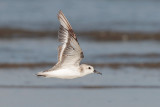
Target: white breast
<point x="67" y="73"/>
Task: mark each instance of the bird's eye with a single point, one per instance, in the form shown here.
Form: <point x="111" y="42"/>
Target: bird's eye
<point x="89" y="67"/>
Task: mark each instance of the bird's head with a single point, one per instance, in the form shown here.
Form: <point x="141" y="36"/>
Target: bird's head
<point x="88" y="69"/>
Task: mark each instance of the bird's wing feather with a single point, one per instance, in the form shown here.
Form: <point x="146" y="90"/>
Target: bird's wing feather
<point x="69" y="52"/>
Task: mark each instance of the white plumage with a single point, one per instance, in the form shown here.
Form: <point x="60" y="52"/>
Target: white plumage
<point x="69" y="55"/>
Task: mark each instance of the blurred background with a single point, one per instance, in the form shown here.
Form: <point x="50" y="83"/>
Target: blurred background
<point x="120" y="38"/>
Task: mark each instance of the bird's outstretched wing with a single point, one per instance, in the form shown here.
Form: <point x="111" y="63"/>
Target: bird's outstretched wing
<point x="69" y="52"/>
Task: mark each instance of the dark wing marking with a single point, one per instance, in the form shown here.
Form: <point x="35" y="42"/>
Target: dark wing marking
<point x="69" y="52"/>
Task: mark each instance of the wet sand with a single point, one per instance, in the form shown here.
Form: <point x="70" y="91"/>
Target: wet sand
<point x="79" y="98"/>
<point x="83" y="87"/>
<point x="116" y="87"/>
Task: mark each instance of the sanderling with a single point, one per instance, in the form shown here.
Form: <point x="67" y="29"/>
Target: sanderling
<point x="69" y="55"/>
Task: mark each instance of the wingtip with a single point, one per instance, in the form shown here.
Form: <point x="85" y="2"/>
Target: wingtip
<point x="59" y="13"/>
<point x="63" y="20"/>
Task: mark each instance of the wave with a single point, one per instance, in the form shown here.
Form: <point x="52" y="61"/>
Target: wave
<point x="93" y="35"/>
<point x="110" y="65"/>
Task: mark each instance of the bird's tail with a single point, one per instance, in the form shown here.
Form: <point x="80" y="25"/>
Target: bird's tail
<point x="41" y="74"/>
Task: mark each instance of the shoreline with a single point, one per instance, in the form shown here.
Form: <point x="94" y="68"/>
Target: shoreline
<point x="109" y="65"/>
<point x="84" y="87"/>
<point x="8" y="33"/>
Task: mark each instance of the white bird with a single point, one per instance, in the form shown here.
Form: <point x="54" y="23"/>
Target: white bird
<point x="69" y="55"/>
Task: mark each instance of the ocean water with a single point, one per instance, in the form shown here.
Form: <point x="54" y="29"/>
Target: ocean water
<point x="37" y="50"/>
<point x="115" y="15"/>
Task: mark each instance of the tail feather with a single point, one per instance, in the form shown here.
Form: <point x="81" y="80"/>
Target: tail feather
<point x="41" y="74"/>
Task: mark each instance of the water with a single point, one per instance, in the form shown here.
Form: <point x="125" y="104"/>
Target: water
<point x="125" y="86"/>
<point x="123" y="15"/>
<point x="36" y="50"/>
<point x="120" y="86"/>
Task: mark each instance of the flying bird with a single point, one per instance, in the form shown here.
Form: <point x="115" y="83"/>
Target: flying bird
<point x="70" y="55"/>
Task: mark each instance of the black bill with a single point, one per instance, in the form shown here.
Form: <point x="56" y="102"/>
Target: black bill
<point x="97" y="72"/>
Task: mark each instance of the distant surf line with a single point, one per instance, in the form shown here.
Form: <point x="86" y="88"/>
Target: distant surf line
<point x="79" y="87"/>
<point x="110" y="65"/>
